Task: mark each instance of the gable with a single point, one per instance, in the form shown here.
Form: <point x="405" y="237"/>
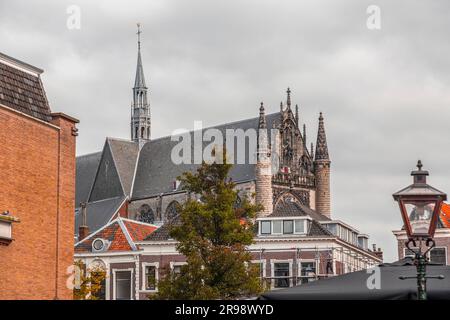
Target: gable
<point x="124" y="154"/>
<point x="107" y="182"/>
<point x="86" y="168"/>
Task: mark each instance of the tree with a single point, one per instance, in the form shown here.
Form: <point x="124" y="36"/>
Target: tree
<point x="212" y="234"/>
<point x="88" y="282"/>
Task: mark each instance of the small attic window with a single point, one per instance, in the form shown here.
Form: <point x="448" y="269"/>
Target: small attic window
<point x="6" y="221"/>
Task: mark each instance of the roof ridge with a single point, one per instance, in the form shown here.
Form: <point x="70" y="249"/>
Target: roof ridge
<point x="96" y="232"/>
<point x="126" y="233"/>
<point x="139" y="222"/>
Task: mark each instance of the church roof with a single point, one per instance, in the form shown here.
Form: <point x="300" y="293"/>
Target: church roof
<point x="21" y="88"/>
<point x="156" y="172"/>
<point x="86" y="168"/>
<point x="122" y="170"/>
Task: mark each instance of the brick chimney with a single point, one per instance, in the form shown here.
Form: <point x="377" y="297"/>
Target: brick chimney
<point x="83" y="230"/>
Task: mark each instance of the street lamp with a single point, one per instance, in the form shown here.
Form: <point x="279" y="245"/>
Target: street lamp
<point x="420" y="206"/>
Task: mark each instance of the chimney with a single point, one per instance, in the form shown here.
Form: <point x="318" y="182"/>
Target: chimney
<point x="374" y="247"/>
<point x="83" y="230"/>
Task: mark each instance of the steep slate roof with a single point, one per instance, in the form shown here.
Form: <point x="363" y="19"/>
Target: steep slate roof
<point x="163" y="232"/>
<point x="124" y="154"/>
<point x="23" y="91"/>
<point x="121" y="234"/>
<point x="86" y="169"/>
<point x="286" y="208"/>
<point x="98" y="213"/>
<point x="107" y="182"/>
<point x="156" y="171"/>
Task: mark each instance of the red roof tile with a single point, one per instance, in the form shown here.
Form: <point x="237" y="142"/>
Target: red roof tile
<point x="117" y="236"/>
<point x="445" y="215"/>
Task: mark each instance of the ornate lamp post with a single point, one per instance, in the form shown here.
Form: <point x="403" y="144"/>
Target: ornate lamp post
<point x="420" y="206"/>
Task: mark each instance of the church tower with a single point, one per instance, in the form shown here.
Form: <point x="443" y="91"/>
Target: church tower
<point x="140" y="108"/>
<point x="322" y="172"/>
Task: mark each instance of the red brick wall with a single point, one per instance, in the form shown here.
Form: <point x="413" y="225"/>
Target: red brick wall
<point x="29" y="190"/>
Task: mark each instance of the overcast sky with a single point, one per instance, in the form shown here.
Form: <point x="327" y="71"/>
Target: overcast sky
<point x="384" y="93"/>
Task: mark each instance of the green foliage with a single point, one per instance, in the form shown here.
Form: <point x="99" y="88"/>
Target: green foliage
<point x="213" y="236"/>
<point x="89" y="282"/>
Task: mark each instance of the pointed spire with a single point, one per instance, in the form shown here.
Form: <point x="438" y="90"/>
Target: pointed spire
<point x="281" y="106"/>
<point x="312" y="150"/>
<point x="296" y="115"/>
<point x="304" y="135"/>
<point x="262" y="117"/>
<point x="140" y="80"/>
<point x="321" y="144"/>
<point x="288" y="100"/>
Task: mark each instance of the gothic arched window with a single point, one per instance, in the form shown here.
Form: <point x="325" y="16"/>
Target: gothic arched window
<point x="146" y="214"/>
<point x="172" y="210"/>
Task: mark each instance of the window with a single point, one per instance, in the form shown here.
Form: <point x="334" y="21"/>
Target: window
<point x="176" y="269"/>
<point x="276" y="225"/>
<point x="332" y="227"/>
<point x="150" y="278"/>
<point x="288" y="226"/>
<point x="438" y="255"/>
<point x="299" y="226"/>
<point x="123" y="285"/>
<point x="265" y="227"/>
<point x="281" y="274"/>
<point x="307" y="269"/>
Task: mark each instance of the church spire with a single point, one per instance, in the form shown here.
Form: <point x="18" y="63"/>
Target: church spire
<point x="140" y="79"/>
<point x="321" y="144"/>
<point x="288" y="100"/>
<point x="140" y="109"/>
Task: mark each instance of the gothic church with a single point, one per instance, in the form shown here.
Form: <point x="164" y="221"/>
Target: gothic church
<point x="136" y="178"/>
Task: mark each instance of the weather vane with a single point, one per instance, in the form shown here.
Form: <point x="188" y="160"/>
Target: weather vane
<point x="139" y="34"/>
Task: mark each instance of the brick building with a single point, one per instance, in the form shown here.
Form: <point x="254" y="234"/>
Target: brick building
<point x="37" y="173"/>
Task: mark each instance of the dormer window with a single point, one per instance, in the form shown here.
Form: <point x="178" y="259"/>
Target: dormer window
<point x="282" y="226"/>
<point x="288" y="226"/>
<point x="266" y="227"/>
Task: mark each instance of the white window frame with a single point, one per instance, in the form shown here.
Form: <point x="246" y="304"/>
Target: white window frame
<point x="144" y="278"/>
<point x="272" y="271"/>
<point x="176" y="264"/>
<point x="299" y="265"/>
<point x="260" y="227"/>
<point x="131" y="282"/>
<point x="281" y="223"/>
<point x="293" y="226"/>
<point x="305" y="227"/>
